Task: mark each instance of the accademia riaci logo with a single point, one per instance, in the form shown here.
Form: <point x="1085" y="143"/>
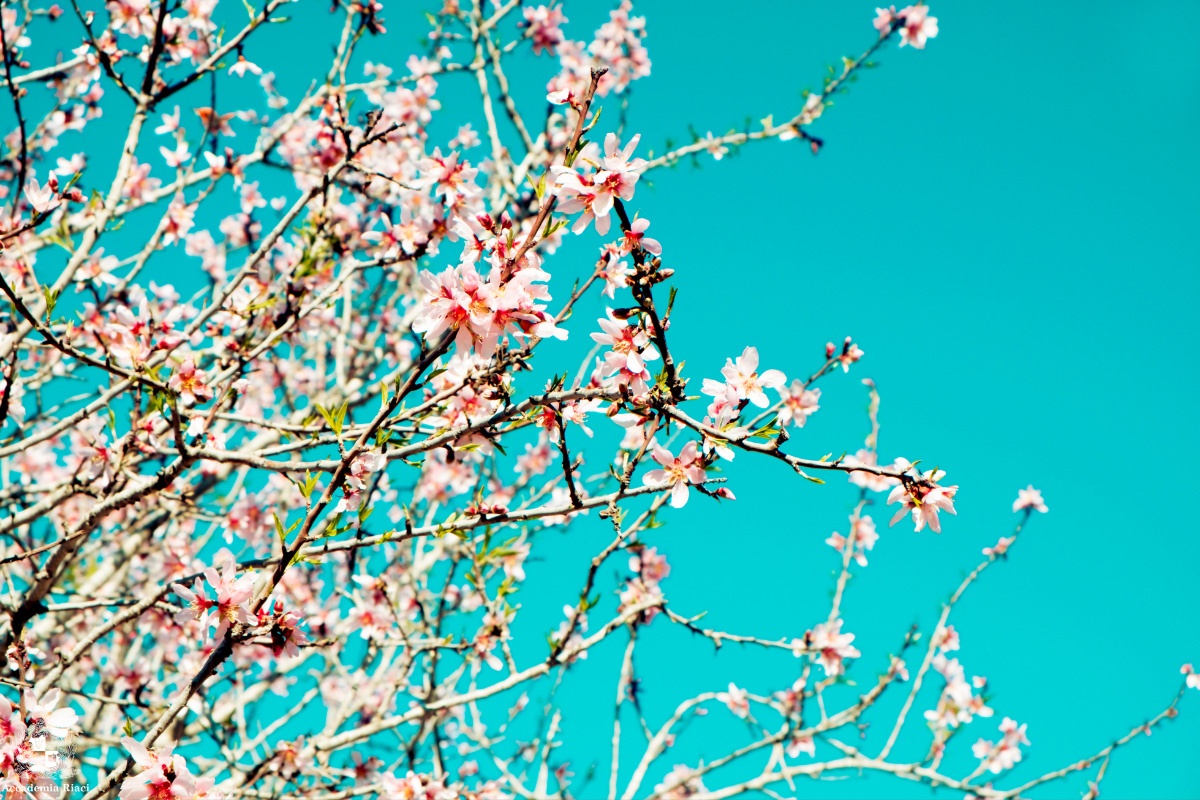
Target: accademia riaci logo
<point x="37" y="747"/>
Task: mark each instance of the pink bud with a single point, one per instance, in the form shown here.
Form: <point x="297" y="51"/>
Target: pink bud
<point x="829" y="348"/>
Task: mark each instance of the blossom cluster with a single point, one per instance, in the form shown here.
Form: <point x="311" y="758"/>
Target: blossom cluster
<point x="283" y="432"/>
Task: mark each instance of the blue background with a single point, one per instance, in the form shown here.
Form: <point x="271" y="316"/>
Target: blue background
<point x="1005" y="223"/>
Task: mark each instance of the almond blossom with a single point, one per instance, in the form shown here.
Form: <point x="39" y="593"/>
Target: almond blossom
<point x="742" y="375"/>
<point x="636" y="237"/>
<point x="225" y="601"/>
<point x="41" y="198"/>
<point x="736" y="700"/>
<point x="1030" y="498"/>
<point x="862" y="534"/>
<point x="831" y="647"/>
<point x="631" y="347"/>
<point x="924" y="497"/>
<point x="163" y="774"/>
<point x="650" y="565"/>
<point x="799" y="743"/>
<point x="1006" y="753"/>
<point x="868" y="480"/>
<point x="916" y="26"/>
<point x="12" y="728"/>
<point x="1001" y="547"/>
<point x="384" y="576"/>
<point x="188" y="380"/>
<point x="286" y="636"/>
<point x="242" y="66"/>
<point x="680" y="783"/>
<point x="44" y="711"/>
<point x="799" y="403"/>
<point x="677" y="473"/>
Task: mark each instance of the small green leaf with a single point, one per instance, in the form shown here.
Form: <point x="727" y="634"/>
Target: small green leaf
<point x="51" y="300"/>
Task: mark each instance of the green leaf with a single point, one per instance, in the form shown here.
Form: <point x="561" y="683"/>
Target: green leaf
<point x="51" y="300"/>
<point x="334" y="419"/>
<point x="310" y="482"/>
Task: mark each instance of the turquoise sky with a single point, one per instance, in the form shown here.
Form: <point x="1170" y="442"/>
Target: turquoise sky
<point x="1005" y="223"/>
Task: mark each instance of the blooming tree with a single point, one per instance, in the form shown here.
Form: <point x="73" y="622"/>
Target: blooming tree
<point x="263" y="540"/>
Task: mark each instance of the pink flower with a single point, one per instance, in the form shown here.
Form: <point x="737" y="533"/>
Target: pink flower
<point x="679" y="783"/>
<point x="650" y="565"/>
<point x="163" y="775"/>
<point x="917" y="26"/>
<point x="884" y="19"/>
<point x="1002" y="756"/>
<point x="948" y="639"/>
<point x="676" y="472"/>
<point x="41" y="198"/>
<point x="576" y="412"/>
<point x="862" y="533"/>
<point x="615" y="273"/>
<point x="798" y="744"/>
<point x="177" y="157"/>
<point x="544" y="25"/>
<point x="1029" y="498"/>
<point x="1001" y="547"/>
<point x="189" y="382"/>
<point x="620" y="171"/>
<point x="631" y="347"/>
<point x="868" y="480"/>
<point x="170" y="122"/>
<point x="12" y="728"/>
<point x="638" y="592"/>
<point x="850" y="353"/>
<point x="798" y="403"/>
<point x="736" y="700"/>
<point x="226" y="598"/>
<point x="924" y="497"/>
<point x="957" y="705"/>
<point x="512" y="559"/>
<point x="635" y="237"/>
<point x="1192" y="681"/>
<point x="57" y="721"/>
<point x="286" y="636"/>
<point x="714" y="147"/>
<point x="363" y="466"/>
<point x="577" y="192"/>
<point x="196" y="604"/>
<point x="832" y="646"/>
<point x="242" y="66"/>
<point x="466" y="137"/>
<point x="742" y="375"/>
